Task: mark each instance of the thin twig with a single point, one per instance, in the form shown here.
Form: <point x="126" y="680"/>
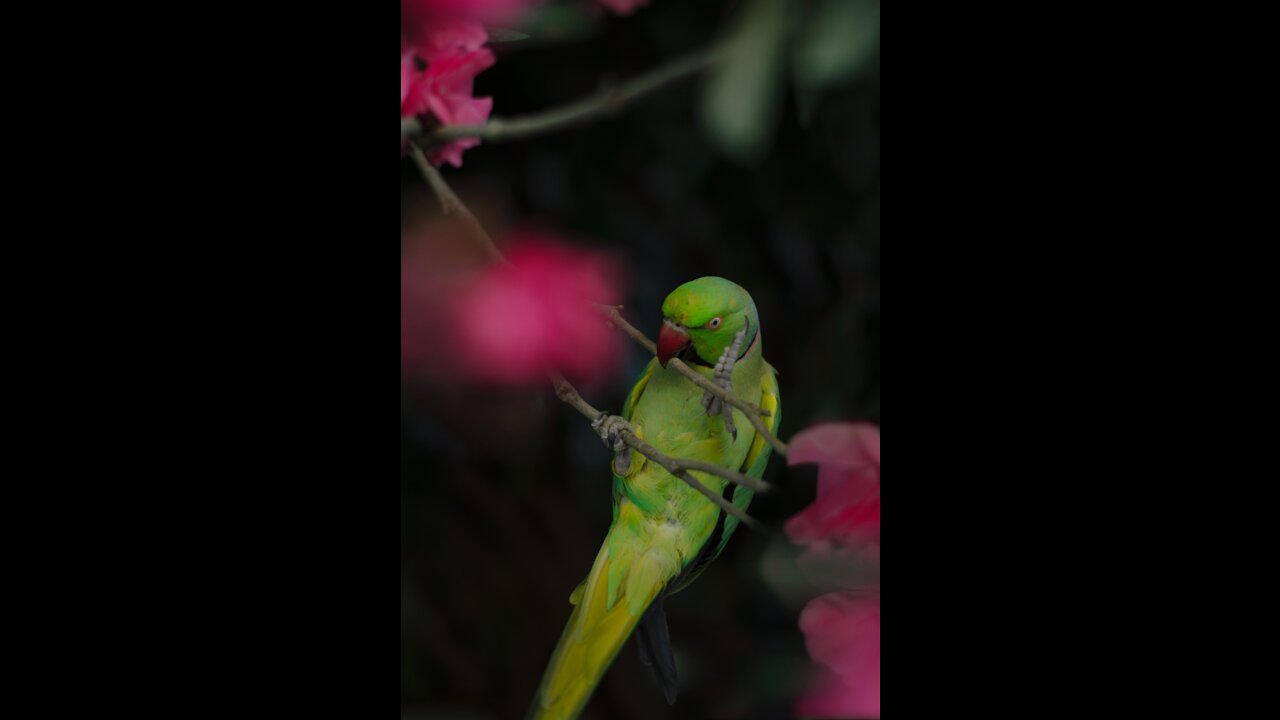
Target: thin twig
<point x="753" y="412"/>
<point x="679" y="468"/>
<point x="451" y="204"/>
<point x="714" y="469"/>
<point x="616" y="319"/>
<point x="608" y="101"/>
<point x="566" y="392"/>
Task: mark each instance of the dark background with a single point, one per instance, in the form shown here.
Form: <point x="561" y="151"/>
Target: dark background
<point x="505" y="494"/>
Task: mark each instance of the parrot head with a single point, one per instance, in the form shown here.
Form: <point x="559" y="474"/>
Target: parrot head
<point x="701" y="318"/>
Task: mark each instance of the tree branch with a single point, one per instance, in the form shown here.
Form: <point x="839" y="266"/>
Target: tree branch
<point x="754" y="413"/>
<point x="450" y="204"/>
<point x="568" y="394"/>
<point x="616" y="320"/>
<point x="608" y="101"/>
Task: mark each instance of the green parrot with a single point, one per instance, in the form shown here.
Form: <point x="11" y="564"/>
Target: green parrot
<point x="664" y="533"/>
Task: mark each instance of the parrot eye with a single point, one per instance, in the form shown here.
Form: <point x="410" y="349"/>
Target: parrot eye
<point x="715" y="323"/>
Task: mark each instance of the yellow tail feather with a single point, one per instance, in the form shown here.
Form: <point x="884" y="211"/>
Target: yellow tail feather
<point x="589" y="643"/>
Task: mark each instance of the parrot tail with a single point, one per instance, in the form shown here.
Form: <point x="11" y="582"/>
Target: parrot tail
<point x="596" y="631"/>
<point x="654" y="641"/>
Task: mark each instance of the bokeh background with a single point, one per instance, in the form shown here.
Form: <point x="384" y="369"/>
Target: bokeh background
<point x="773" y="183"/>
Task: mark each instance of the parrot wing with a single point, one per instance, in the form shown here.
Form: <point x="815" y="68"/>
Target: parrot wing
<point x="753" y="466"/>
<point x="636" y="390"/>
<point x="652" y="635"/>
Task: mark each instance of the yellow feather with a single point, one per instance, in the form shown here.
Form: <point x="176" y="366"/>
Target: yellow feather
<point x="768" y="403"/>
<point x="589" y="643"/>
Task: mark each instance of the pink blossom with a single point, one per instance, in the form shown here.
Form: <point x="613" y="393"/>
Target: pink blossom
<point x="518" y="321"/>
<point x="417" y="16"/>
<point x="447" y="84"/>
<point x="842" y="629"/>
<point x="623" y="7"/>
<point x="438" y="260"/>
<point x="413" y="96"/>
<point x="451" y="36"/>
<point x="847" y="508"/>
<point x="842" y="635"/>
<point x="448" y="38"/>
<point x="453" y="56"/>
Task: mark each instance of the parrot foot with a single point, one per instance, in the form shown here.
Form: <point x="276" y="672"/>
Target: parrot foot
<point x="610" y="429"/>
<point x="723" y="376"/>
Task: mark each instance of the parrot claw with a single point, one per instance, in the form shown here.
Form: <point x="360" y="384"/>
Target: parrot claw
<point x="622" y="462"/>
<point x="723" y="376"/>
<point x="610" y="428"/>
<point x="711" y="403"/>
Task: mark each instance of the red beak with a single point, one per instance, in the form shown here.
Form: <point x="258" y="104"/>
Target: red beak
<point x="671" y="340"/>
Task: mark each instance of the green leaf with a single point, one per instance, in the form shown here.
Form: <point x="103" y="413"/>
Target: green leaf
<point x="499" y="35"/>
<point x="836" y="42"/>
<point x="740" y="100"/>
<point x="553" y="23"/>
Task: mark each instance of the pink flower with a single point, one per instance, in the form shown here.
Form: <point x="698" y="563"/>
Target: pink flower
<point x="842" y="635"/>
<point x="516" y="322"/>
<point x="447" y="88"/>
<point x="453" y="56"/>
<point x="413" y="96"/>
<point x="419" y="19"/>
<point x="842" y="629"/>
<point x="623" y="7"/>
<point x="847" y="509"/>
<point x="451" y="36"/>
<point x="414" y="14"/>
<point x="448" y="38"/>
<point x="438" y="260"/>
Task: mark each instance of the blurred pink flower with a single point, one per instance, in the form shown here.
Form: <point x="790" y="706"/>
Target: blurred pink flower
<point x="842" y="635"/>
<point x="518" y="321"/>
<point x="842" y="629"/>
<point x="623" y="7"/>
<point x="448" y="36"/>
<point x="847" y="509"/>
<point x="417" y="16"/>
<point x="437" y="262"/>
